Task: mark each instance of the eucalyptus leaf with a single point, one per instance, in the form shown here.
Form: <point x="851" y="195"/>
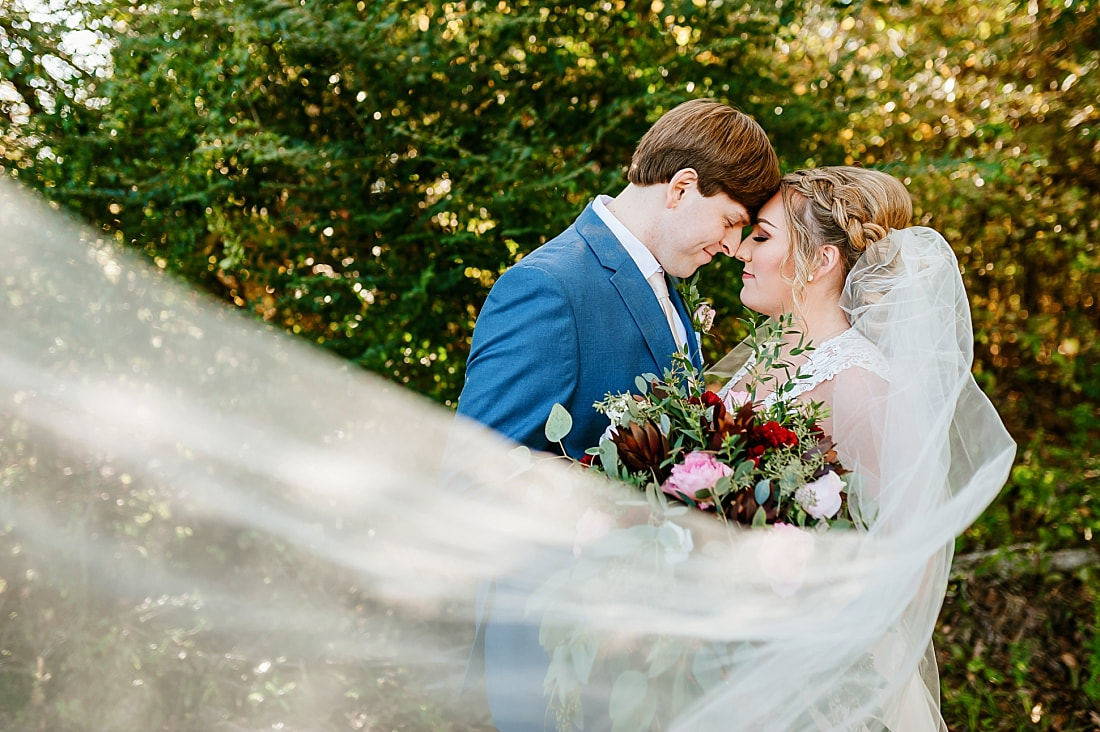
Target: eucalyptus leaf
<point x="655" y="498"/>
<point x="706" y="668"/>
<point x="623" y="542"/>
<point x="760" y="518"/>
<point x="722" y="486"/>
<point x="682" y="692"/>
<point x="632" y="707"/>
<point x="641" y="384"/>
<point x="763" y="491"/>
<point x="560" y="674"/>
<point x="559" y="424"/>
<point x="520" y="456"/>
<point x="583" y="652"/>
<point x="609" y="456"/>
<point x="744" y="655"/>
<point x="664" y="653"/>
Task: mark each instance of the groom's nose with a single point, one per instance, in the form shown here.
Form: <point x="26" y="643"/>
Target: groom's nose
<point x="732" y="241"/>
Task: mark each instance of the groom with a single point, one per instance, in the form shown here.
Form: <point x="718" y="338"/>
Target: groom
<point x="590" y="310"/>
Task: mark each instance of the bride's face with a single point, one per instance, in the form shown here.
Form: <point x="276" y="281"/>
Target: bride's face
<point x="768" y="271"/>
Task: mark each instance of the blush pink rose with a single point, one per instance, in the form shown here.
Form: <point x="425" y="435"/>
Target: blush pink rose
<point x="821" y="498"/>
<point x="591" y="526"/>
<point x="699" y="472"/>
<point x="704" y="317"/>
<point x="734" y="400"/>
<point x="784" y="553"/>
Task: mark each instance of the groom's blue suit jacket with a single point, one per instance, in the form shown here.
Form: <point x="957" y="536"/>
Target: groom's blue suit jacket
<point x="569" y="323"/>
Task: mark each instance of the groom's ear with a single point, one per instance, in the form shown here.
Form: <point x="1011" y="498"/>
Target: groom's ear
<point x="682" y="181"/>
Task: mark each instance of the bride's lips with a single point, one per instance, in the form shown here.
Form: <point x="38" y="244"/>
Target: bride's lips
<point x="748" y="276"/>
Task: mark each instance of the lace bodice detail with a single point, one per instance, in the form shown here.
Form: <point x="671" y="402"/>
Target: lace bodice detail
<point x="844" y="351"/>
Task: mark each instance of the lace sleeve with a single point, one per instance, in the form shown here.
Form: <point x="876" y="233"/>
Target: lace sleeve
<point x="856" y="397"/>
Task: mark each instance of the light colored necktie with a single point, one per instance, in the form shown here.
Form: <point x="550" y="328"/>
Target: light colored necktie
<point x="657" y="282"/>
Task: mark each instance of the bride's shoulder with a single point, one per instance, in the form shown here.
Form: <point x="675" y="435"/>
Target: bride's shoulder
<point x="848" y="350"/>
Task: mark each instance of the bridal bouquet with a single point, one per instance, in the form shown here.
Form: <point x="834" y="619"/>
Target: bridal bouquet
<point x="686" y="448"/>
<point x="728" y="455"/>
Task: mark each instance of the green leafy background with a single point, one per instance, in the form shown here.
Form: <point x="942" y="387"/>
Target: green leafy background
<point x="360" y="173"/>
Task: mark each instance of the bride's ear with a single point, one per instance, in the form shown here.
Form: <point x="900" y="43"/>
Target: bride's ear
<point x="828" y="262"/>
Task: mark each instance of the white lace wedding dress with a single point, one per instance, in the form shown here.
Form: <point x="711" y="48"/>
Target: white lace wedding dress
<point x="848" y="368"/>
<point x="826" y="362"/>
<point x="848" y="365"/>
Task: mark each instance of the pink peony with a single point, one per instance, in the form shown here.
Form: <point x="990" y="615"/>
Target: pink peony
<point x="699" y="472"/>
<point x="734" y="400"/>
<point x="591" y="526"/>
<point x="783" y="555"/>
<point x="821" y="499"/>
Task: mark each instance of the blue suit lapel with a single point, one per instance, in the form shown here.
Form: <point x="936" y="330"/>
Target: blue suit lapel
<point x="634" y="290"/>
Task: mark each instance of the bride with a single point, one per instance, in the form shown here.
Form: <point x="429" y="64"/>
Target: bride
<point x="883" y="307"/>
<point x="799" y="259"/>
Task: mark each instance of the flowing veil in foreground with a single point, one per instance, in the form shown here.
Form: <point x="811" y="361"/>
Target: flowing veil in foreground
<point x="206" y="524"/>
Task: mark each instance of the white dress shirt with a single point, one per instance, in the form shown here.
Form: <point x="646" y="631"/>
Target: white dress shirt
<point x="641" y="255"/>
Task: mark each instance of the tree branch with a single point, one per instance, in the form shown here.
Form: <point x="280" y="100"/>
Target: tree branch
<point x="1022" y="559"/>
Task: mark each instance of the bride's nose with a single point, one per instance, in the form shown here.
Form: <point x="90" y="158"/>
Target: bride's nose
<point x="741" y="251"/>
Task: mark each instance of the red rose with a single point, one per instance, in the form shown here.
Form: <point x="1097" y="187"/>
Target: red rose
<point x="708" y="399"/>
<point x="776" y="435"/>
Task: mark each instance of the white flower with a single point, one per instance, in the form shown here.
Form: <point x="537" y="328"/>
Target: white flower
<point x="676" y="541"/>
<point x="617" y="408"/>
<point x="821" y="499"/>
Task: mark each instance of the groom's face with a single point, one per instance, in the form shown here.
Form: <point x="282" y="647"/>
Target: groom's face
<point x="697" y="229"/>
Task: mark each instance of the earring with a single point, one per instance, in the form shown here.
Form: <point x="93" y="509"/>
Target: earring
<point x="810" y="278"/>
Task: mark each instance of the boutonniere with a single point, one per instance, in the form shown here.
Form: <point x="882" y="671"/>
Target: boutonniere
<point x="702" y="313"/>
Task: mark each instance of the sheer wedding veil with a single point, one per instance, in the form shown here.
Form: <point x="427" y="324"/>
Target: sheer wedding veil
<point x="207" y="524"/>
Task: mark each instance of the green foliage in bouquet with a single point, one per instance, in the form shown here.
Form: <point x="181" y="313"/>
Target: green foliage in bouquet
<point x="745" y="461"/>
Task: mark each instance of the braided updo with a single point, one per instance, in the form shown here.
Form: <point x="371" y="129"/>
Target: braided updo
<point x="850" y="208"/>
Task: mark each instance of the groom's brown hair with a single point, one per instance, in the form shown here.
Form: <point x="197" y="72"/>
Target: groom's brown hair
<point x="726" y="147"/>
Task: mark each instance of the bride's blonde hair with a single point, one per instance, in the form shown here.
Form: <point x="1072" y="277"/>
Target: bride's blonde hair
<point x="850" y="208"/>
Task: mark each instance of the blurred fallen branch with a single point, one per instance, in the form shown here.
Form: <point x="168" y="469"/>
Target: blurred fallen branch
<point x="1021" y="559"/>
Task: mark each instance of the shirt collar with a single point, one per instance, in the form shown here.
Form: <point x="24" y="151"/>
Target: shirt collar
<point x="641" y="255"/>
